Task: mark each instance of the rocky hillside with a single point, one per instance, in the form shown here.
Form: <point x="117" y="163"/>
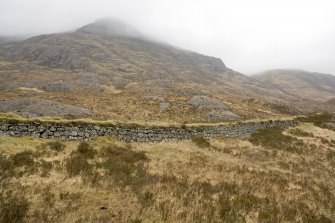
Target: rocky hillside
<point x="300" y="84"/>
<point x="113" y="71"/>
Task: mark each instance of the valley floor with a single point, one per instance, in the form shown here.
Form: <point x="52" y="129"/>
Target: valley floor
<point x="274" y="176"/>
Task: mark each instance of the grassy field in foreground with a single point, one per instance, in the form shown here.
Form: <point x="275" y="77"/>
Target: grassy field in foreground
<point x="274" y="176"/>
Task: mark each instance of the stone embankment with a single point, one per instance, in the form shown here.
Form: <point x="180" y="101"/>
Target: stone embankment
<point x="135" y="133"/>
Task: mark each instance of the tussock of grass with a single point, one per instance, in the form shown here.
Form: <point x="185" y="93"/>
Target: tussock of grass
<point x="13" y="207"/>
<point x="124" y="166"/>
<point x="24" y="158"/>
<point x="6" y="167"/>
<point x="56" y="146"/>
<point x="200" y="141"/>
<point x="299" y="132"/>
<point x="86" y="150"/>
<point x="274" y="139"/>
<point x="78" y="162"/>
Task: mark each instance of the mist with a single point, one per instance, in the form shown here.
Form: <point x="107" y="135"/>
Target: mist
<point x="249" y="36"/>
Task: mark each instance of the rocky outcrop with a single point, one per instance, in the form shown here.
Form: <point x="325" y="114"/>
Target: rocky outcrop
<point x="283" y="108"/>
<point x="222" y="115"/>
<point x="219" y="111"/>
<point x="35" y="107"/>
<point x="204" y="102"/>
<point x="134" y="133"/>
<point x="58" y="87"/>
<point x="331" y="101"/>
<point x="162" y="103"/>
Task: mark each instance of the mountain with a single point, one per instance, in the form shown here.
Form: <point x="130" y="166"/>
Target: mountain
<point x="308" y="91"/>
<point x="8" y="39"/>
<point x="111" y="27"/>
<point x="300" y="84"/>
<point x="116" y="72"/>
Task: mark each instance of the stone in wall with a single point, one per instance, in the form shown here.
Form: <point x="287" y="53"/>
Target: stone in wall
<point x="68" y="131"/>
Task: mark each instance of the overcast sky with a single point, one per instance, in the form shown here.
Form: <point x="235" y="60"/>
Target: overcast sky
<point x="249" y="36"/>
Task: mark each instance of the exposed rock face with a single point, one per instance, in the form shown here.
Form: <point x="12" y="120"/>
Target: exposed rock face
<point x="58" y="87"/>
<point x="6" y="86"/>
<point x="220" y="111"/>
<point x="135" y="133"/>
<point x="204" y="102"/>
<point x="162" y="103"/>
<point x="283" y="108"/>
<point x="111" y="67"/>
<point x="331" y="101"/>
<point x="89" y="78"/>
<point x="300" y="84"/>
<point x="222" y="115"/>
<point x="91" y="82"/>
<point x="34" y="107"/>
<point x="50" y="54"/>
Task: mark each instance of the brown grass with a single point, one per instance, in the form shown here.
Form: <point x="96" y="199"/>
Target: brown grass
<point x="106" y="180"/>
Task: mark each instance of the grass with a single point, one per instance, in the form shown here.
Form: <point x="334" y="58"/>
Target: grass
<point x="9" y="117"/>
<point x="319" y="120"/>
<point x="106" y="180"/>
<point x="274" y="139"/>
<point x="124" y="166"/>
<point x="200" y="141"/>
<point x="78" y="161"/>
<point x="13" y="207"/>
<point x="24" y="158"/>
<point x="13" y="145"/>
<point x="56" y="146"/>
<point x="299" y="132"/>
<point x="86" y="150"/>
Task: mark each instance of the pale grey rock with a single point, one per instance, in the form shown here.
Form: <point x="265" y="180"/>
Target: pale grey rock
<point x="164" y="105"/>
<point x="204" y="102"/>
<point x="35" y="107"/>
<point x="222" y="115"/>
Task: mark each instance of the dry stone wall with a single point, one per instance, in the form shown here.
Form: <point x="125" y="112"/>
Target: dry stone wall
<point x="129" y="133"/>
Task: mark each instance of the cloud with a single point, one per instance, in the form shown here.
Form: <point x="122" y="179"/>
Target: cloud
<point x="249" y="36"/>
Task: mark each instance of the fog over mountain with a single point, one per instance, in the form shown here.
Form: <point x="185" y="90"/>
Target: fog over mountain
<point x="249" y="36"/>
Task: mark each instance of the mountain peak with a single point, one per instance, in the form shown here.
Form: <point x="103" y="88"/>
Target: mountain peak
<point x="110" y="27"/>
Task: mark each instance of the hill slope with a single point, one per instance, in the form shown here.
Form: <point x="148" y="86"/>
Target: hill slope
<point x="116" y="72"/>
<point x="308" y="91"/>
<point x="300" y="84"/>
